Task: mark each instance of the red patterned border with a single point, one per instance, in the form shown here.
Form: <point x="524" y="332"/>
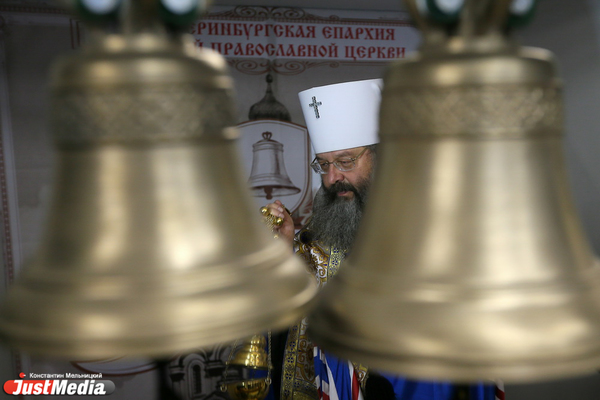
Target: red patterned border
<point x="260" y="66"/>
<point x="245" y="13"/>
<point x="293" y="14"/>
<point x="7" y="245"/>
<point x="7" y="239"/>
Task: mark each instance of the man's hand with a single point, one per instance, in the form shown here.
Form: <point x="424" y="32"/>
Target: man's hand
<point x="286" y="230"/>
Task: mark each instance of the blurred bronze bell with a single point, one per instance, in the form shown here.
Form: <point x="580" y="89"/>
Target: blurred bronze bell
<point x="268" y="176"/>
<point x="471" y="263"/>
<point x="153" y="244"/>
<point x="252" y="359"/>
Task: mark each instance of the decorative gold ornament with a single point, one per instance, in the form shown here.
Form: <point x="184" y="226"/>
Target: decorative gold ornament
<point x="248" y="360"/>
<point x="269" y="219"/>
<point x="255" y="389"/>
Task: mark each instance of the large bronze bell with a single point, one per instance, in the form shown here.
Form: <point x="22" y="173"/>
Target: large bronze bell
<point x="471" y="263"/>
<point x="152" y="245"/>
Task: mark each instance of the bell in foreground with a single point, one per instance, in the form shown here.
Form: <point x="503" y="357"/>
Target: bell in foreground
<point x="152" y="244"/>
<point x="471" y="263"/>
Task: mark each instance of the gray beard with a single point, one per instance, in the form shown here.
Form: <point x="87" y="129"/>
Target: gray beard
<point x="335" y="219"/>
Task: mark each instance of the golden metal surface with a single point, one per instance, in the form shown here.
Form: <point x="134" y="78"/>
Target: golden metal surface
<point x="269" y="219"/>
<point x="151" y="245"/>
<point x="255" y="389"/>
<point x="252" y="353"/>
<point x="249" y="360"/>
<point x="471" y="263"/>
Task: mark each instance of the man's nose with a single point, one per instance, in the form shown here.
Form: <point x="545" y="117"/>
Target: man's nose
<point x="333" y="175"/>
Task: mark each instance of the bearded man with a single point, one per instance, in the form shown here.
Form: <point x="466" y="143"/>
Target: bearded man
<point x="342" y="124"/>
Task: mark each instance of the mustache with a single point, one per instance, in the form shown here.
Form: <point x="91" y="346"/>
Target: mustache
<point x="337" y="187"/>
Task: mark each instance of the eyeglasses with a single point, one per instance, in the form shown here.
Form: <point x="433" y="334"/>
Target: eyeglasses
<point x="343" y="164"/>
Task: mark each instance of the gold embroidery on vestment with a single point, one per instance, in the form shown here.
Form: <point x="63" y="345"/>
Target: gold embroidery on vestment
<point x="298" y="377"/>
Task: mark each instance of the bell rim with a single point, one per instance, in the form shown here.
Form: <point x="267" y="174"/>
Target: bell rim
<point x="71" y="348"/>
<point x="276" y="311"/>
<point x="569" y="354"/>
<point x="463" y="372"/>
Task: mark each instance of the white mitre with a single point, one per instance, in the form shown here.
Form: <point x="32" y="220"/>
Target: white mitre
<point x="342" y="116"/>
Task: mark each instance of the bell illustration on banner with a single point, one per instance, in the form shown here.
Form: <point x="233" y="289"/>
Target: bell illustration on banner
<point x="471" y="263"/>
<point x="248" y="372"/>
<point x="152" y="245"/>
<point x="268" y="176"/>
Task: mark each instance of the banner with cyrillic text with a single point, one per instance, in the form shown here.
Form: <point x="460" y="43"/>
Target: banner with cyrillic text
<point x="263" y="32"/>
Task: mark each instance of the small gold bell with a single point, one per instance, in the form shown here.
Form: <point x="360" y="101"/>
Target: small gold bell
<point x="270" y="220"/>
